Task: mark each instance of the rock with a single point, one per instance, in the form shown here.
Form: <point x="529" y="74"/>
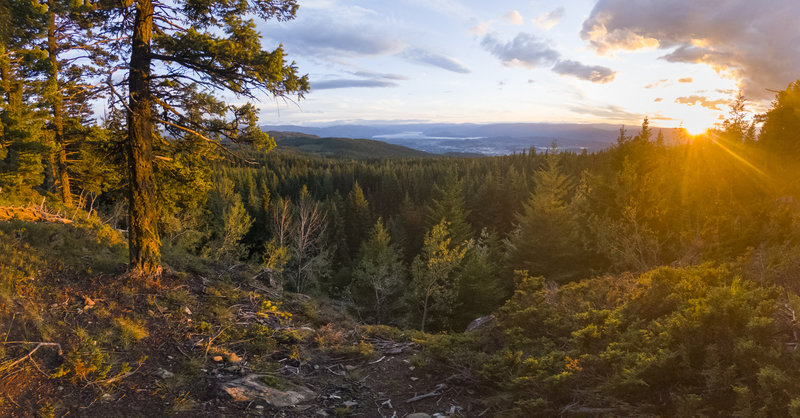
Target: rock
<point x="164" y="374"/>
<point x="251" y="388"/>
<point x="321" y="413"/>
<point x="418" y="415"/>
<point x="350" y="404"/>
<point x="481" y="322"/>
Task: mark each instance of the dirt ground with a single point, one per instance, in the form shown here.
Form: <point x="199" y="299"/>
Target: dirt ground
<point x="179" y="376"/>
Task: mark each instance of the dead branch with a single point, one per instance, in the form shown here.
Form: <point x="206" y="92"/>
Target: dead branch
<point x="39" y="344"/>
<point x="437" y="391"/>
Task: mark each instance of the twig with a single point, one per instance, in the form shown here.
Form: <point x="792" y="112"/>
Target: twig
<point x="208" y="345"/>
<point x="28" y="356"/>
<point x="378" y="360"/>
<point x="9" y="326"/>
<point x="117" y="377"/>
<point x="437" y="391"/>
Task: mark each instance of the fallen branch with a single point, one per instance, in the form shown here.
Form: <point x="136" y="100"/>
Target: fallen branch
<point x="437" y="391"/>
<point x="39" y="344"/>
<point x="378" y="360"/>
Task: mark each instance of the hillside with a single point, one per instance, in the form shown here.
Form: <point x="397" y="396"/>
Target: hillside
<point x="305" y="144"/>
<point x="480" y="139"/>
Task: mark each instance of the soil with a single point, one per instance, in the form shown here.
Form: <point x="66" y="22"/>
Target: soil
<point x="379" y="384"/>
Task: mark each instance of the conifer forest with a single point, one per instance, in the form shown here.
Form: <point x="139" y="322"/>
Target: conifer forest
<point x="163" y="255"/>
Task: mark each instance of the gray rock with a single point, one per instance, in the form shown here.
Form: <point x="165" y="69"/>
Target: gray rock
<point x="164" y="374"/>
<point x="251" y="388"/>
<point x="481" y="322"/>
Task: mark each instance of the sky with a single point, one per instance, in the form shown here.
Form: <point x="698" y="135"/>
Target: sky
<point x="678" y="62"/>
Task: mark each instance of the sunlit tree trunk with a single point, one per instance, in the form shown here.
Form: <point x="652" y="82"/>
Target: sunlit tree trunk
<point x="144" y="242"/>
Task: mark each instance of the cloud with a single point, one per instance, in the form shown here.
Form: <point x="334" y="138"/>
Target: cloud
<point x="436" y="60"/>
<point x="685" y="80"/>
<point x="546" y="21"/>
<point x="607" y="111"/>
<point x="515" y="17"/>
<point x="378" y="76"/>
<point x="328" y="37"/>
<point x="702" y="101"/>
<point x="659" y="99"/>
<point x="593" y="73"/>
<point x="525" y="49"/>
<point x="657" y="83"/>
<point x="759" y="46"/>
<point x="343" y="83"/>
<point x="529" y="51"/>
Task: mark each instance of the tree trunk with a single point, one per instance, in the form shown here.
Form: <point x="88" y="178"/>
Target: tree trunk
<point x="58" y="108"/>
<point x="143" y="240"/>
<point x="424" y="313"/>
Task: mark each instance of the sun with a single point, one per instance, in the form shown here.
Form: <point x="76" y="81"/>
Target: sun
<point x="696" y="126"/>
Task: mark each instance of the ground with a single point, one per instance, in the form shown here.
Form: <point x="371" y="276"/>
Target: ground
<point x="136" y="348"/>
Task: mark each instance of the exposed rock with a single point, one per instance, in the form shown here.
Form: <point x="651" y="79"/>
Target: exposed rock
<point x="251" y="388"/>
<point x="164" y="374"/>
<point x="481" y="322"/>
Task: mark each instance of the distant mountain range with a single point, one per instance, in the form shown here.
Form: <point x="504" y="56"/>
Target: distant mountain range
<point x="483" y="139"/>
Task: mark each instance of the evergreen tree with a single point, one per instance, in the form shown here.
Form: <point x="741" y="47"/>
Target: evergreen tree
<point x="378" y="276"/>
<point x="433" y="280"/>
<point x="357" y="218"/>
<point x="780" y="133"/>
<point x="209" y="44"/>
<point x="449" y="204"/>
<point x="546" y="239"/>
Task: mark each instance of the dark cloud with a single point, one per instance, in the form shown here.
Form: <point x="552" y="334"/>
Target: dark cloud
<point x="350" y="83"/>
<point x="593" y="73"/>
<point x="436" y="60"/>
<point x="525" y="49"/>
<point x="702" y="101"/>
<point x="756" y="43"/>
<point x="324" y="37"/>
<point x="529" y="51"/>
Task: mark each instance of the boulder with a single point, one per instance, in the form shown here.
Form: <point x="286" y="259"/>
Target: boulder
<point x="481" y="322"/>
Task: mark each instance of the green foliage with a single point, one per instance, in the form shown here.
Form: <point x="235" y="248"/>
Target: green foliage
<point x="779" y="133"/>
<point x="693" y="341"/>
<point x="378" y="276"/>
<point x="433" y="282"/>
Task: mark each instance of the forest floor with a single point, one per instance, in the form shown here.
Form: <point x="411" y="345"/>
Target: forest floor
<point x="126" y="348"/>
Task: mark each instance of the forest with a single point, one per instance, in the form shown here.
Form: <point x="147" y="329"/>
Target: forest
<point x="155" y="244"/>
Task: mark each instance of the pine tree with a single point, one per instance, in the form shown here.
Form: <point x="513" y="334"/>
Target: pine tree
<point x="175" y="48"/>
<point x="378" y="276"/>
